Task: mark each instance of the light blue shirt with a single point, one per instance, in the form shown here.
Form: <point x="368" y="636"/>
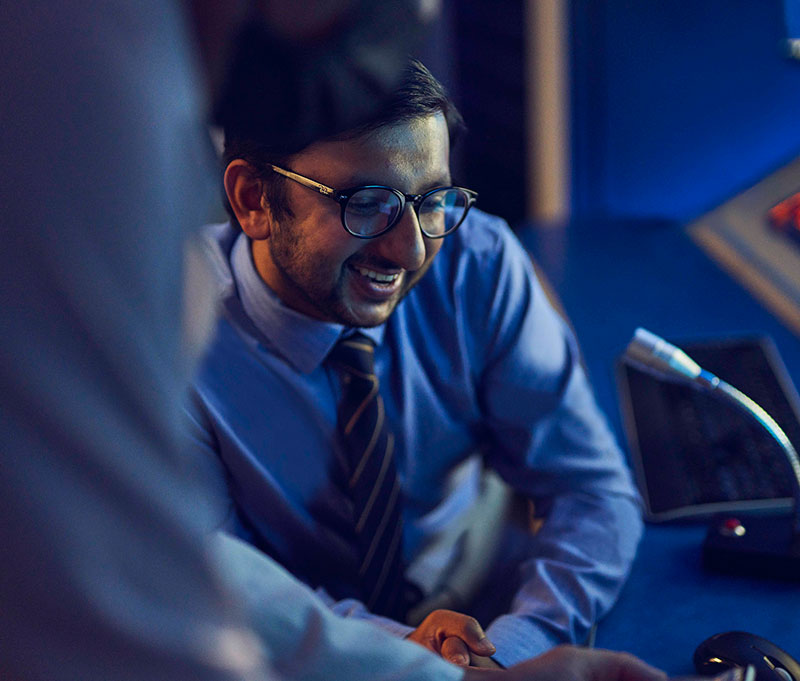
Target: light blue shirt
<point x="475" y="358"/>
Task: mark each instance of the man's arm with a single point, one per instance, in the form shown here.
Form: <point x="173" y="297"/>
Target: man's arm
<point x="217" y="513"/>
<point x="570" y="663"/>
<point x="549" y="441"/>
<point x="463" y="634"/>
<point x="304" y="640"/>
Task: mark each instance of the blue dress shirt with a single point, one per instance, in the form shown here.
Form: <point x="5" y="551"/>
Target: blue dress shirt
<point x="474" y="359"/>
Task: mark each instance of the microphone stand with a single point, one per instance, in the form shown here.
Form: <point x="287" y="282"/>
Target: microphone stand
<point x="765" y="546"/>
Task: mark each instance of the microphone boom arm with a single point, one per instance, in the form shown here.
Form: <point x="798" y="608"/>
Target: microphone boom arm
<point x="666" y="361"/>
<point x="749" y="406"/>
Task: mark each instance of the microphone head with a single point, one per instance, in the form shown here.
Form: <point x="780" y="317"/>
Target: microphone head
<point x="642" y="348"/>
<point x="654" y="354"/>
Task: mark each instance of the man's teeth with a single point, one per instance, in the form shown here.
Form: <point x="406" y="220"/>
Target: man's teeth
<point x="377" y="276"/>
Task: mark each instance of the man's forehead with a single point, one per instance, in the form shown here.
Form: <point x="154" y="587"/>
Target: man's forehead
<point x="423" y="132"/>
<point x="414" y="149"/>
<point x="415" y="134"/>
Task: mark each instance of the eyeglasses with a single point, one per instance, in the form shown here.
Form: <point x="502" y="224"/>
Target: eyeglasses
<point x="373" y="210"/>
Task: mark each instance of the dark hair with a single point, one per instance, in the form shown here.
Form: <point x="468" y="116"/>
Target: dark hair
<point x="418" y="95"/>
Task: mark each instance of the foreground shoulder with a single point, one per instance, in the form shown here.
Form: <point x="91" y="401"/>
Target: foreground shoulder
<point x="485" y="245"/>
<point x="483" y="234"/>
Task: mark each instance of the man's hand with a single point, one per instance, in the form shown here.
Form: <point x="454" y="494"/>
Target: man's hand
<point x="453" y="636"/>
<point x="570" y="663"/>
<point x="480" y="661"/>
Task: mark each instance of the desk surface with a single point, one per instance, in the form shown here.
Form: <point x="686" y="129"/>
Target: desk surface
<point x="670" y="604"/>
<point x="612" y="277"/>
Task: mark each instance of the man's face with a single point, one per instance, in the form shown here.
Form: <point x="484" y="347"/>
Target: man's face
<point x="315" y="266"/>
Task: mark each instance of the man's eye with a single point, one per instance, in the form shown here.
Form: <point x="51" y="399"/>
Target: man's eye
<point x="364" y="207"/>
<point x="432" y="205"/>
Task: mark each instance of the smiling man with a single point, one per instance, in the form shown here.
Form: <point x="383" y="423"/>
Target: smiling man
<point x="384" y="350"/>
<point x="328" y="274"/>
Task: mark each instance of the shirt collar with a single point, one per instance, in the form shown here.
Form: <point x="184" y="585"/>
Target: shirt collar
<point x="302" y="341"/>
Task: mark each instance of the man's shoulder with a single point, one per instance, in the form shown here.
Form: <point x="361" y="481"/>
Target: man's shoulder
<point x="483" y="240"/>
<point x="233" y="330"/>
<point x="482" y="233"/>
<point x="216" y="241"/>
<point x="478" y="262"/>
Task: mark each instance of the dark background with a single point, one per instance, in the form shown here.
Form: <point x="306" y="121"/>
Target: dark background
<point x="675" y="108"/>
<point x="676" y="105"/>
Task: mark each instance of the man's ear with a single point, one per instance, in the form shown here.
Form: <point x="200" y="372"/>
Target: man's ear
<point x="246" y="196"/>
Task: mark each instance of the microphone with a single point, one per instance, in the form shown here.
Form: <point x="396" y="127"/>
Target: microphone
<point x="763" y="546"/>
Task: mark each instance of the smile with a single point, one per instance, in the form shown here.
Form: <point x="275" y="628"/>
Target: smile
<point x="377" y="276"/>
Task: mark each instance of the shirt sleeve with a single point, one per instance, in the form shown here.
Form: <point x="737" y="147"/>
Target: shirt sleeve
<point x="305" y="640"/>
<point x="218" y="511"/>
<point x="548" y="439"/>
<point x="351" y="607"/>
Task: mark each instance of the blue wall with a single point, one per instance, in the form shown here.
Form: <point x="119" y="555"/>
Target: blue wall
<point x="679" y="104"/>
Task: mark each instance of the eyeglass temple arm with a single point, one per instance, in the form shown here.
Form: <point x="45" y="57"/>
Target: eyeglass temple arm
<point x="321" y="188"/>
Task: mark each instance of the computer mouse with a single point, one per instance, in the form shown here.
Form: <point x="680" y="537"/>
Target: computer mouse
<point x="738" y="649"/>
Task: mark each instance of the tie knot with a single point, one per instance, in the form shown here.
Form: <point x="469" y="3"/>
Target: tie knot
<point x="355" y="354"/>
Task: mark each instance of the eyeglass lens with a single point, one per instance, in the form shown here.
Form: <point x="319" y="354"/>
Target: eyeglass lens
<point x="372" y="210"/>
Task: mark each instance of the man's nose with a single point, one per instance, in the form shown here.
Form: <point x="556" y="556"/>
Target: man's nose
<point x="404" y="243"/>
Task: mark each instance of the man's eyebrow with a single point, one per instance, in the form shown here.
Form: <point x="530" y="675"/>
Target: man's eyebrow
<point x="364" y="181"/>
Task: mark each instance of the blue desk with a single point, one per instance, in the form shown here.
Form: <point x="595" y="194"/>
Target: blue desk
<point x="612" y="277"/>
<point x="670" y="603"/>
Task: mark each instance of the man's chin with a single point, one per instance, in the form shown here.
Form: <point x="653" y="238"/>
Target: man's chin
<point x="368" y="315"/>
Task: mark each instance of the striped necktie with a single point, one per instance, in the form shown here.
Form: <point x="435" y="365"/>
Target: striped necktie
<point x="371" y="478"/>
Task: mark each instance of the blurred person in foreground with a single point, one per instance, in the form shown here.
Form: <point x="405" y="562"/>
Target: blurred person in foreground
<point x="105" y="164"/>
<point x="360" y="243"/>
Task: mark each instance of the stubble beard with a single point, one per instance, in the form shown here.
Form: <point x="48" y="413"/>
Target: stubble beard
<point x="306" y="280"/>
